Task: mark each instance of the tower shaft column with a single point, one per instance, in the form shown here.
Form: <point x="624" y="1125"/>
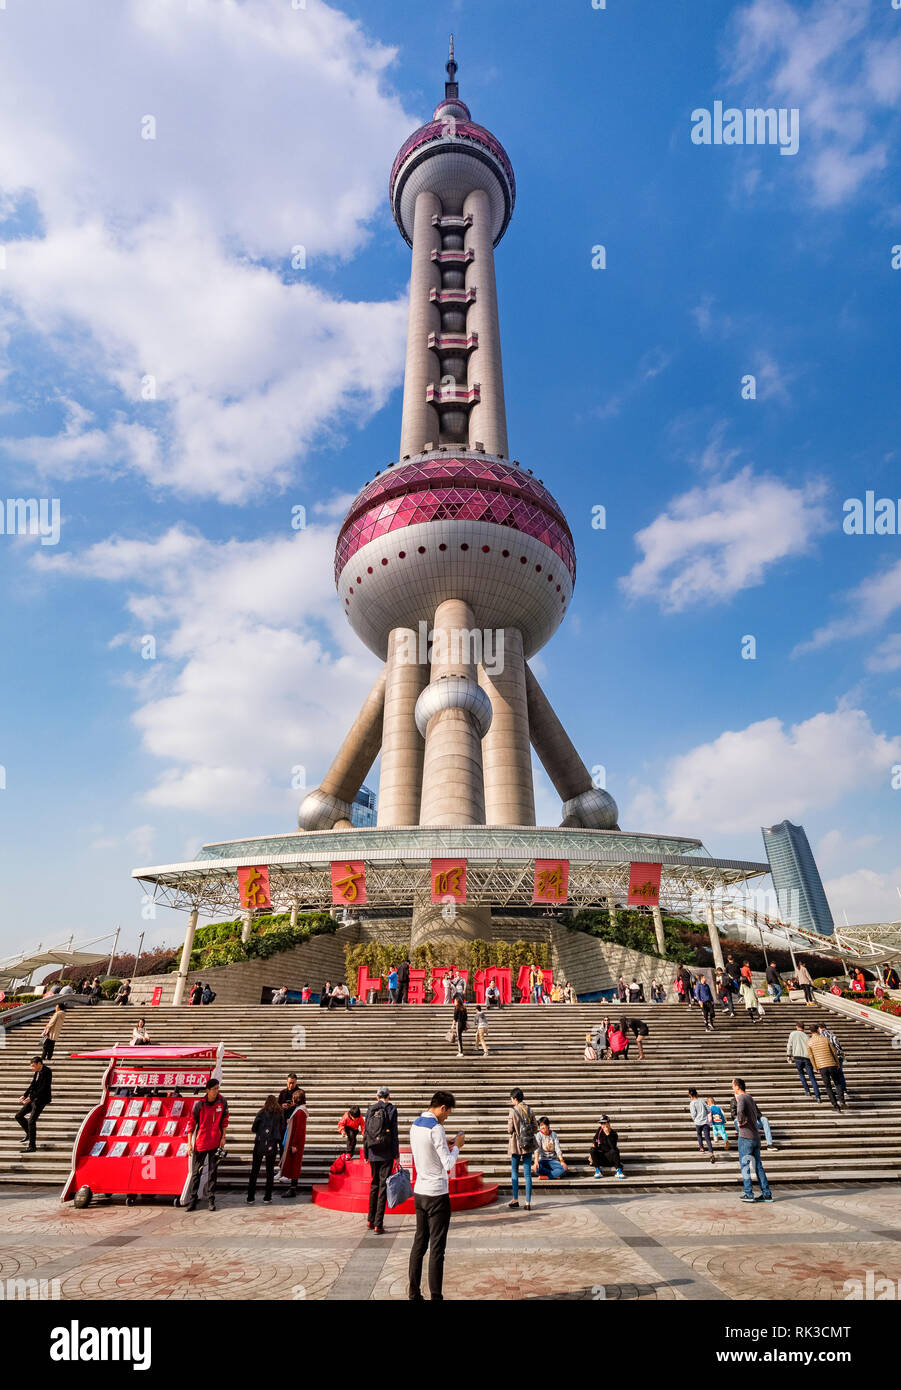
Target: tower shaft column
<point x="419" y="424"/>
<point x="453" y="791"/>
<point x="328" y="805"/>
<point x="488" y="418"/>
<point x="506" y="751"/>
<point x="400" y="779"/>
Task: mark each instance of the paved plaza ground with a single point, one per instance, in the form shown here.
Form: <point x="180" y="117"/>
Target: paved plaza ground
<point x="598" y="1244"/>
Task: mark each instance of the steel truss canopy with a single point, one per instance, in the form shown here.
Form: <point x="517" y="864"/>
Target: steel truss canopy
<point x="499" y="867"/>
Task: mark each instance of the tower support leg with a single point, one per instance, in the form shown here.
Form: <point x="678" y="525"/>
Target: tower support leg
<point x="506" y="751"/>
<point x="400" y="778"/>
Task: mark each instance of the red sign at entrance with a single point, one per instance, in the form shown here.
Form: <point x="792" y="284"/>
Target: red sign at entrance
<point x="448" y="880"/>
<point x="348" y="882"/>
<point x="551" y="882"/>
<point x="253" y="885"/>
<point x="644" y="884"/>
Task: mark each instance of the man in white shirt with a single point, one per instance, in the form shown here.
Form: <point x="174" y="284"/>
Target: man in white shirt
<point x="433" y="1161"/>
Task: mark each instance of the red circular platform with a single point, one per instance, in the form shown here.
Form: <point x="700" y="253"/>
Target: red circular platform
<point x="349" y="1191"/>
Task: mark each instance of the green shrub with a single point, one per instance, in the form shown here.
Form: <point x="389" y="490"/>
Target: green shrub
<point x="220" y="943"/>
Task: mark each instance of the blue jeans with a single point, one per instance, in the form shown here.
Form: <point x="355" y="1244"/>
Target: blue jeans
<point x="764" y="1126"/>
<point x="526" y="1161"/>
<point x="550" y="1168"/>
<point x="748" y="1151"/>
<point x="806" y="1072"/>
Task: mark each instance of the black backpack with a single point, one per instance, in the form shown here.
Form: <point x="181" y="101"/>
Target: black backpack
<point x="376" y="1131"/>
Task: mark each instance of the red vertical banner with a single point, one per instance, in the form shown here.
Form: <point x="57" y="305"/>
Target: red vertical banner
<point x="416" y="990"/>
<point x="157" y="996"/>
<point x="644" y="884"/>
<point x="551" y="881"/>
<point x="367" y="983"/>
<point x="348" y="882"/>
<point x="253" y="886"/>
<point x="448" y="880"/>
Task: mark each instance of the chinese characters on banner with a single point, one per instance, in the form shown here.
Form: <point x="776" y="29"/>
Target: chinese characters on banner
<point x="448" y="880"/>
<point x="253" y="886"/>
<point x="551" y="881"/>
<point x="348" y="882"/>
<point x="644" y="884"/>
<point x="122" y="1077"/>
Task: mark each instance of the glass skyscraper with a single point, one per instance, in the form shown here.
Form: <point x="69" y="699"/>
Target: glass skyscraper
<point x="362" y="809"/>
<point x="796" y="878"/>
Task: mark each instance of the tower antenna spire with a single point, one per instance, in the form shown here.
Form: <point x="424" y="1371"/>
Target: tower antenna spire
<point x="450" y="87"/>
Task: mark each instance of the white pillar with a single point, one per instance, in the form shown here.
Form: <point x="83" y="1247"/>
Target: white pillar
<point x="419" y="423"/>
<point x="294" y="915"/>
<point x="245" y="930"/>
<point x="658" y="928"/>
<point x="487" y="419"/>
<point x="185" y="962"/>
<point x="715" y="945"/>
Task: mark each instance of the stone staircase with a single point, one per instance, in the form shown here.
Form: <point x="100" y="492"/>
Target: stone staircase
<point x="342" y="1058"/>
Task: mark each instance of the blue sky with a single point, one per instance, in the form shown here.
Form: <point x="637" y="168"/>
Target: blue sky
<point x="170" y="258"/>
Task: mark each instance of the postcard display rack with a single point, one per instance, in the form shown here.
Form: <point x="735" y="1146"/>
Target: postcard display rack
<point x="135" y="1142"/>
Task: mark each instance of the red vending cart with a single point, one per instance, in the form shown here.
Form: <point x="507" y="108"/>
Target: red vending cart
<point x="135" y="1141"/>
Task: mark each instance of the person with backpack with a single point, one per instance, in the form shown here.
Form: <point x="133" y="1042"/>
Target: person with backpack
<point x="723" y="990"/>
<point x="701" y="1119"/>
<point x="840" y="1059"/>
<point x="381" y="1150"/>
<point x="521" y="1130"/>
<point x="822" y="1054"/>
<point x="268" y="1128"/>
<point x="704" y="996"/>
<point x="208" y="995"/>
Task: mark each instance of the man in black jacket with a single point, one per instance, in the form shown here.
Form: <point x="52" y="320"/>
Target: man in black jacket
<point x="605" y="1149"/>
<point x="403" y="981"/>
<point x="35" y="1099"/>
<point x="381" y="1149"/>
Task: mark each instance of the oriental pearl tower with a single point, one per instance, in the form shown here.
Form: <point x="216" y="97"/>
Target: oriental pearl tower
<point x="455" y="539"/>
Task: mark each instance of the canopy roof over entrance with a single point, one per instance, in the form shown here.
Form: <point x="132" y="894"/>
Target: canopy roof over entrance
<point x="500" y="862"/>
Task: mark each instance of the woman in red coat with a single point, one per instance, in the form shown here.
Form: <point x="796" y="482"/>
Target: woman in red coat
<point x="293" y="1143"/>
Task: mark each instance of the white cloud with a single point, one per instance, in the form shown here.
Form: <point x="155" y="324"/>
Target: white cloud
<point x="167" y="258"/>
<point x="751" y="777"/>
<point x="824" y="60"/>
<point x="868" y="605"/>
<point x="256" y="673"/>
<point x="714" y="541"/>
<point x="865" y="896"/>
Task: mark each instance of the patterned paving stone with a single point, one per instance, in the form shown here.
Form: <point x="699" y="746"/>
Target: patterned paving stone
<point x="885" y="1212"/>
<point x="233" y="1273"/>
<point x="717" y="1214"/>
<point x="815" y="1272"/>
<point x="579" y="1275"/>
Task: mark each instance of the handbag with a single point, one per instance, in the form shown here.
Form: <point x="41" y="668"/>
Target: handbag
<point x="590" y="1054"/>
<point x="451" y="1034"/>
<point x="399" y="1188"/>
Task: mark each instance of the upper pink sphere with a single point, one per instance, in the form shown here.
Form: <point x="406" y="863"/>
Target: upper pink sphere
<point x="450" y="156"/>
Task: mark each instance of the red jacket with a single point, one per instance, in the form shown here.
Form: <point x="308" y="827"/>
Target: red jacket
<point x="210" y="1120"/>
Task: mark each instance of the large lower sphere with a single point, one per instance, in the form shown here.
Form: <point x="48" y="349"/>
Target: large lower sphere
<point x="464" y="526"/>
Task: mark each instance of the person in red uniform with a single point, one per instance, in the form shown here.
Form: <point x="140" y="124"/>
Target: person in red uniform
<point x="206" y="1131"/>
<point x="293" y="1143"/>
